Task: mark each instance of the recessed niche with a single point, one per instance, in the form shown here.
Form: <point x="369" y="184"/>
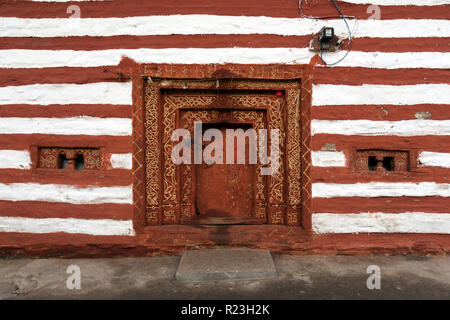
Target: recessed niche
<point x="69" y="158"/>
<point x="379" y="160"/>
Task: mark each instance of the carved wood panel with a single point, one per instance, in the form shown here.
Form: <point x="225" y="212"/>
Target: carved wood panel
<point x="382" y="160"/>
<point x="51" y="158"/>
<point x="171" y="104"/>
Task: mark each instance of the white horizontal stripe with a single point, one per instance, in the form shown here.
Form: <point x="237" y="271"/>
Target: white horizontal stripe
<point x="69" y="0"/>
<point x="52" y="58"/>
<point x="23" y="58"/>
<point x="328" y="159"/>
<point x="216" y="24"/>
<point x="390" y="60"/>
<point x="98" y="227"/>
<point x="121" y="160"/>
<point x="15" y="159"/>
<point x="399" y="2"/>
<point x="67" y="126"/>
<point x="65" y="193"/>
<point x="379" y="2"/>
<point x="407" y="222"/>
<point x="45" y="94"/>
<point x="405" y="128"/>
<point x="380" y="189"/>
<point x="435" y="159"/>
<point x="328" y="94"/>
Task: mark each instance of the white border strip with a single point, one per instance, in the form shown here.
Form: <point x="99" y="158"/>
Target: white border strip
<point x="404" y="128"/>
<point x="395" y="2"/>
<point x="116" y="93"/>
<point x="122" y="160"/>
<point x="65" y="193"/>
<point x="435" y="159"/>
<point x="217" y="24"/>
<point x="67" y="126"/>
<point x="25" y="58"/>
<point x="407" y="222"/>
<point x="390" y="60"/>
<point x="328" y="158"/>
<point x="15" y="159"/>
<point x="378" y="2"/>
<point x="380" y="189"/>
<point x="98" y="227"/>
<point x="69" y="0"/>
<point x="380" y="94"/>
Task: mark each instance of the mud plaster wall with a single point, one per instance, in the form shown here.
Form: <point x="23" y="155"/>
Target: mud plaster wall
<point x="60" y="86"/>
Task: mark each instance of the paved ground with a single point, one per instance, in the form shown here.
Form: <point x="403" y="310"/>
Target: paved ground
<point x="299" y="277"/>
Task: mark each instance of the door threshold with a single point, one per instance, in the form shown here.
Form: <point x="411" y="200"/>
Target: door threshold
<point x="222" y="220"/>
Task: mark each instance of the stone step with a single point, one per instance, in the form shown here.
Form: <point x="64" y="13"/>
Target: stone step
<point x="225" y="264"/>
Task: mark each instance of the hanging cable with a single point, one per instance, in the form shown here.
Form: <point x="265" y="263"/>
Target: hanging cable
<point x="349" y="41"/>
<point x="331" y="17"/>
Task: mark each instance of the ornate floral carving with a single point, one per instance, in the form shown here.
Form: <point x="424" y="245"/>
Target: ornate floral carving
<point x="169" y="173"/>
<point x="152" y="152"/>
<point x="277" y="180"/>
<point x="48" y="157"/>
<point x="245" y="102"/>
<point x="152" y="216"/>
<point x="243" y="116"/>
<point x="400" y="159"/>
<point x="276" y="215"/>
<point x="293" y="147"/>
<point x="261" y="212"/>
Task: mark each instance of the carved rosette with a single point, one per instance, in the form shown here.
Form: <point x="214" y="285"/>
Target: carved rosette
<point x="48" y="158"/>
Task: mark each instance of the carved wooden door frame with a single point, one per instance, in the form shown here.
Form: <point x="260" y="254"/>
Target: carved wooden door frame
<point x="149" y="130"/>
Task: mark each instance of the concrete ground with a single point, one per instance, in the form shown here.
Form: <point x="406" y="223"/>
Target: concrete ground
<point x="298" y="277"/>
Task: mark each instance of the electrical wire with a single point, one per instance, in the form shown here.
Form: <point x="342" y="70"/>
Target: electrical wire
<point x="349" y="41"/>
<point x="331" y="17"/>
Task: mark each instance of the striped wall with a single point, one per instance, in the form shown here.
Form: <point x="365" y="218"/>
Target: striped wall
<point x="392" y="91"/>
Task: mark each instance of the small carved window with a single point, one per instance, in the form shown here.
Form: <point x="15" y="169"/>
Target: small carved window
<point x="70" y="158"/>
<point x="382" y="160"/>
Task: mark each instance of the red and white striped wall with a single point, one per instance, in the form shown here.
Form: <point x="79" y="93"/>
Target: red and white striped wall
<point x="392" y="91"/>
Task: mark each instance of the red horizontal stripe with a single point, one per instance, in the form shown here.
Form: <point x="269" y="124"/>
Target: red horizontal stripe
<point x="19" y="77"/>
<point x="155" y="42"/>
<point x="40" y="209"/>
<point x="112" y="144"/>
<point x="61" y="111"/>
<point x="377" y="112"/>
<point x="381" y="204"/>
<point x="66" y="245"/>
<point x="81" y="178"/>
<point x="337" y="75"/>
<point x="344" y="142"/>
<point x="359" y="76"/>
<point x="281" y="8"/>
<point x="348" y="175"/>
<point x="400" y="44"/>
<point x="276" y="238"/>
<point x="217" y="41"/>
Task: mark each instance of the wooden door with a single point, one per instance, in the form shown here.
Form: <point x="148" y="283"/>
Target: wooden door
<point x="225" y="192"/>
